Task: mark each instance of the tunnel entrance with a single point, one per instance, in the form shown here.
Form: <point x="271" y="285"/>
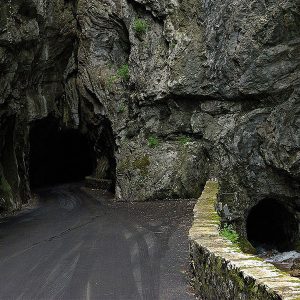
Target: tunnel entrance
<point x="272" y="226"/>
<point x="58" y="155"/>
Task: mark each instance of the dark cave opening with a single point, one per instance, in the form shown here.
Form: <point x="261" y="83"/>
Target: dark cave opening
<point x="271" y="225"/>
<point x="58" y="155"/>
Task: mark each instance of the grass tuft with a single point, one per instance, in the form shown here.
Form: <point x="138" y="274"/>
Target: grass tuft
<point x="153" y="142"/>
<point x="183" y="139"/>
<point x="123" y="72"/>
<point x="229" y="233"/>
<point x="140" y="26"/>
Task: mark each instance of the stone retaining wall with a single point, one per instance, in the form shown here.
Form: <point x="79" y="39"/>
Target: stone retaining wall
<point x="221" y="270"/>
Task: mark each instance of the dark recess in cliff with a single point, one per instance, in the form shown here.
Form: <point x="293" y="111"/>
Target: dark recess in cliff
<point x="272" y="225"/>
<point x="58" y="155"/>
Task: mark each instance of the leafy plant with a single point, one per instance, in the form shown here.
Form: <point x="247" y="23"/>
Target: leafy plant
<point x="123" y="72"/>
<point x="172" y="45"/>
<point x="140" y="26"/>
<point x="229" y="233"/>
<point x="121" y="108"/>
<point x="153" y="141"/>
<point x="183" y="140"/>
<point x="111" y="80"/>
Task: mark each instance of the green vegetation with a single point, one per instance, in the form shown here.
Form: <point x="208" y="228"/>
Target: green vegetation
<point x="229" y="233"/>
<point x="108" y="79"/>
<point x="153" y="141"/>
<point x="121" y="108"/>
<point x="140" y="26"/>
<point x="111" y="80"/>
<point x="183" y="140"/>
<point x="172" y="45"/>
<point x="123" y="72"/>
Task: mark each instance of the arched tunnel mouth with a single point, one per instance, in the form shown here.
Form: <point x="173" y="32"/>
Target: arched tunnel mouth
<point x="58" y="155"/>
<point x="272" y="225"/>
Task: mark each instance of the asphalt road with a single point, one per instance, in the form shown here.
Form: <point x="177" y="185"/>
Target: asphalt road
<point x="78" y="245"/>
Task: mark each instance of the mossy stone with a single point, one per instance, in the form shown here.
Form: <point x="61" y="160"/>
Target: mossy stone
<point x="246" y="246"/>
<point x="142" y="164"/>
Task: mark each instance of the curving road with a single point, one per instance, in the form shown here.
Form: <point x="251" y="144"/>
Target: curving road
<point x="77" y="244"/>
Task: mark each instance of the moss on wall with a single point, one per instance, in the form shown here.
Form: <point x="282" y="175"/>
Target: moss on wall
<point x="142" y="163"/>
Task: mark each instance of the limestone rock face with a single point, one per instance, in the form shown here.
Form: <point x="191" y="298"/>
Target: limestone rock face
<point x="37" y="39"/>
<point x="214" y="83"/>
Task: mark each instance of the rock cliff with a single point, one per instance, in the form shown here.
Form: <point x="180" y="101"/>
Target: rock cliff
<point x="186" y="89"/>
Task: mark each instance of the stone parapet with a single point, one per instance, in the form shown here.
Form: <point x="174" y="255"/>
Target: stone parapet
<point x="221" y="270"/>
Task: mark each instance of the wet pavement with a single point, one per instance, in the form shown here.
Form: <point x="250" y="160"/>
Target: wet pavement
<point x="77" y="244"/>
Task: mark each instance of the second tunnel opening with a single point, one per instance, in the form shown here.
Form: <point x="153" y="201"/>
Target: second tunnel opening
<point x="271" y="225"/>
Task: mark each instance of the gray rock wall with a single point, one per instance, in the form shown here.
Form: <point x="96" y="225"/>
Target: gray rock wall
<point x="214" y="83"/>
<point x="37" y="39"/>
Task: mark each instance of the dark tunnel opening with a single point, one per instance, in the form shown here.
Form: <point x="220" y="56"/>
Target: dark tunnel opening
<point x="58" y="155"/>
<point x="271" y="225"/>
